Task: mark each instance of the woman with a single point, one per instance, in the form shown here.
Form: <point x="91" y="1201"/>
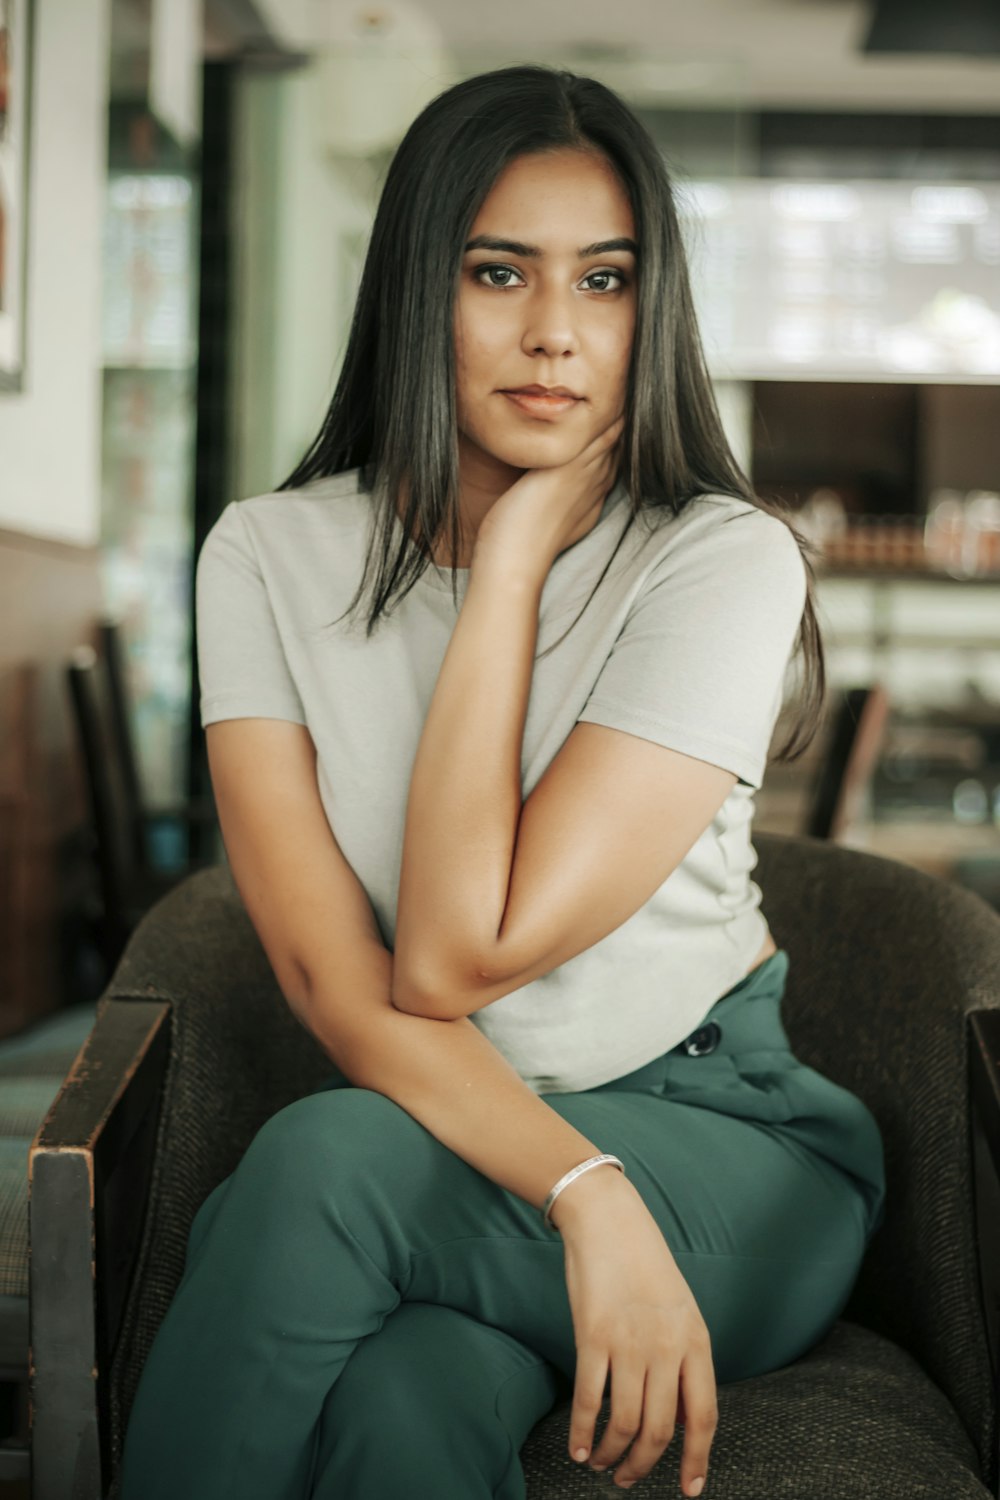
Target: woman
<point x="499" y="859"/>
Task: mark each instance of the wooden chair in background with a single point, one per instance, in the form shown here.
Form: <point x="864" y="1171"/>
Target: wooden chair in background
<point x="130" y="880"/>
<point x="854" y="742"/>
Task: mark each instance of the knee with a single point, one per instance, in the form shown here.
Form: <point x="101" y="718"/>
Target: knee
<point x="414" y="1412"/>
<point x="325" y="1137"/>
<point x="427" y="1367"/>
<point x="387" y="1379"/>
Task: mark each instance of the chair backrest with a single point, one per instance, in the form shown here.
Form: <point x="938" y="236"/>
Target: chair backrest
<point x="114" y="662"/>
<point x="106" y="794"/>
<point x="855" y="737"/>
<point x="886" y="963"/>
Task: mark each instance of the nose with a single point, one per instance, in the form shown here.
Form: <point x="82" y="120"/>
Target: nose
<point x="550" y="324"/>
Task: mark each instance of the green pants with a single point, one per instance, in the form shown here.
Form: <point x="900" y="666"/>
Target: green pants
<point x="363" y="1313"/>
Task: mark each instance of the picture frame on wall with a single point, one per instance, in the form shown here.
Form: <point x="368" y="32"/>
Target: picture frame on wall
<point x="16" y="18"/>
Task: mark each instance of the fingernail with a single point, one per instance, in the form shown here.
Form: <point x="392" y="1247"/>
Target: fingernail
<point x="580" y="1454"/>
<point x="697" y="1485"/>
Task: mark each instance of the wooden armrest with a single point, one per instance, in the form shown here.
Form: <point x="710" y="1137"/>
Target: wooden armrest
<point x="89" y="1169"/>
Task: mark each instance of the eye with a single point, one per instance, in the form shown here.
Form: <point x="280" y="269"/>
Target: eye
<point x="620" y="276"/>
<point x="480" y="271"/>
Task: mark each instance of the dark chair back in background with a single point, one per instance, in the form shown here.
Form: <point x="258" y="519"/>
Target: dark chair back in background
<point x="113" y="848"/>
<point x="129" y="878"/>
<point x="854" y="739"/>
<point x="120" y="721"/>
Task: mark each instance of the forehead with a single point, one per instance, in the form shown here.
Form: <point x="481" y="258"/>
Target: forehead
<point x="562" y="194"/>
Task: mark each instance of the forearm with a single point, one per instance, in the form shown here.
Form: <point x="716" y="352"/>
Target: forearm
<point x="451" y="1078"/>
<point x="464" y="798"/>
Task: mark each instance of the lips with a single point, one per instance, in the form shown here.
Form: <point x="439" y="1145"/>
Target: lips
<point x="542" y="390"/>
<point x="545" y="407"/>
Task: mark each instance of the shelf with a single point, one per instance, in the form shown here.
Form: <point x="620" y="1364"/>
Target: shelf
<point x="903" y="575"/>
<point x="901" y="640"/>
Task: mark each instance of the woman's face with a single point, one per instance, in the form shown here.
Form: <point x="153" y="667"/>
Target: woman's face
<point x="543" y="304"/>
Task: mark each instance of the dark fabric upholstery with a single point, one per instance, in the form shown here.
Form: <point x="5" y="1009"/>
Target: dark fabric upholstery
<point x="885" y="964"/>
<point x="855" y="1417"/>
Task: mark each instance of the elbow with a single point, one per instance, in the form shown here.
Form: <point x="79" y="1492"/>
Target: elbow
<point x="430" y="996"/>
<point x="413" y="990"/>
<point x="405" y="995"/>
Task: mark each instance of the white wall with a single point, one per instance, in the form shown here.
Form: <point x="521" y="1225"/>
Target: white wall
<point x="734" y="400"/>
<point x="312" y="149"/>
<point x="50" y="432"/>
<point x="301" y="218"/>
<point x="297" y="24"/>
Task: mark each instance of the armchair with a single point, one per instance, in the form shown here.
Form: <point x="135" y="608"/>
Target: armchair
<point x="893" y="991"/>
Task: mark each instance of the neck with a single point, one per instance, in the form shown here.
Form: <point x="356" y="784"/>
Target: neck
<point x="482" y="479"/>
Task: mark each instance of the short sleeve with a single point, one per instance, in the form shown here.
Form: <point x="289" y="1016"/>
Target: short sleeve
<point x="242" y="668"/>
<point x="699" y="664"/>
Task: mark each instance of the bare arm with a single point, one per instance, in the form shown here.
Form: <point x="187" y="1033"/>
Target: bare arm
<point x="316" y="924"/>
<point x="632" y="1310"/>
<point x="493" y="894"/>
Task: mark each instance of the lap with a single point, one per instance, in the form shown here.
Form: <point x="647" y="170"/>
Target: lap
<point x="714" y="1178"/>
<point x="763" y="1176"/>
<point x="767" y="1234"/>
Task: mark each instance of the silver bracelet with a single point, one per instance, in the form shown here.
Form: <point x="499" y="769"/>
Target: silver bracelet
<point x="593" y="1161"/>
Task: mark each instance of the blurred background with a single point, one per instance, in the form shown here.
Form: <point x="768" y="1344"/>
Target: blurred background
<point x="186" y="193"/>
<point x="187" y="188"/>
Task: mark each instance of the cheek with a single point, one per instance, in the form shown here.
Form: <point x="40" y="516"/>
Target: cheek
<point x="486" y="326"/>
<point x="622" y="336"/>
<point x="619" y="361"/>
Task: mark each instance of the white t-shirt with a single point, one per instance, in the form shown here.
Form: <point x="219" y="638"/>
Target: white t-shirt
<point x="686" y="642"/>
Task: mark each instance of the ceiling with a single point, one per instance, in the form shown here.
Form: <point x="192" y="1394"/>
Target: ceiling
<point x="802" y="54"/>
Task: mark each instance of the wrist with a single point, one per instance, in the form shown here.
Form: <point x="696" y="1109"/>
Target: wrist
<point x="588" y="1197"/>
<point x="519" y="574"/>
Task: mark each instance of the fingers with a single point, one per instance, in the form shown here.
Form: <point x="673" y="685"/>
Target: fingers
<point x="700" y="1401"/>
<point x="611" y="434"/>
<point x="588" y="1393"/>
<point x="605" y="439"/>
<point x="627" y="1376"/>
<point x="602" y="454"/>
<point x="658" y="1417"/>
<point x="646" y="1405"/>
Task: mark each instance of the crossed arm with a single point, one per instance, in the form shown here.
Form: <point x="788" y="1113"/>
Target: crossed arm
<point x="493" y="889"/>
<point x="491" y="895"/>
<point x="494" y="893"/>
<point x="317" y="927"/>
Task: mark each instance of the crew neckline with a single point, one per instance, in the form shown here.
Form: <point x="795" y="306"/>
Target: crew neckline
<point x="438" y="577"/>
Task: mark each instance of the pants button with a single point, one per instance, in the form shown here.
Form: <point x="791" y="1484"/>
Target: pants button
<point x="704" y="1040"/>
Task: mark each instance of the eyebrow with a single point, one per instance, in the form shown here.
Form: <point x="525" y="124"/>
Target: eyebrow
<point x="534" y="252"/>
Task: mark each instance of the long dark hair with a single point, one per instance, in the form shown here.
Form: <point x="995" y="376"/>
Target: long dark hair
<point x="393" y="414"/>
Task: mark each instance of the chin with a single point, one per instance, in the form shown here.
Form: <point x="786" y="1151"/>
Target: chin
<point x="543" y="449"/>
